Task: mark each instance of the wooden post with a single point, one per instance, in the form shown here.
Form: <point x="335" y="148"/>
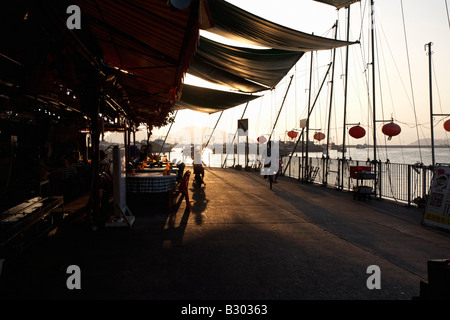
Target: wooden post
<point x="90" y="103"/>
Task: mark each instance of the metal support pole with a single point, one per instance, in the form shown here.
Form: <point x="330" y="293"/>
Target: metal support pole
<point x="292" y="153"/>
<point x="232" y="142"/>
<point x="305" y="163"/>
<point x="325" y="173"/>
<point x="428" y="45"/>
<point x="373" y="97"/>
<point x="90" y="101"/>
<point x="281" y="108"/>
<point x="409" y="185"/>
<point x="162" y="146"/>
<point x="214" y="129"/>
<point x="309" y="113"/>
<point x="341" y="180"/>
<point x="373" y="84"/>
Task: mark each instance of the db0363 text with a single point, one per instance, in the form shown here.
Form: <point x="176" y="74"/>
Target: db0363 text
<point x="246" y="309"/>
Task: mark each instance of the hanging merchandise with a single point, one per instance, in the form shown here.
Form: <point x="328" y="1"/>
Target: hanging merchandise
<point x="319" y="136"/>
<point x="391" y="129"/>
<point x="447" y="125"/>
<point x="292" y="134"/>
<point x="357" y="132"/>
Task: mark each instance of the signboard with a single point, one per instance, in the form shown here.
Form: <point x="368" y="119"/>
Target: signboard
<point x="437" y="210"/>
<point x="303" y="123"/>
<point x="243" y="125"/>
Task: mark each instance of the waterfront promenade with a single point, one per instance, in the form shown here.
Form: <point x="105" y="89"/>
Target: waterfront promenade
<point x="240" y="240"/>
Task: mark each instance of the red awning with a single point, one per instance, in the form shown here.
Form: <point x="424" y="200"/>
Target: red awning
<point x="151" y="45"/>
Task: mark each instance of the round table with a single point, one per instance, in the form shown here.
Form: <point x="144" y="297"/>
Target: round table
<point x="146" y="182"/>
<point x="155" y="169"/>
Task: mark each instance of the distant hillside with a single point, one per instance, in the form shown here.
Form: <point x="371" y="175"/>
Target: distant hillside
<point x="427" y="142"/>
<point x="197" y="132"/>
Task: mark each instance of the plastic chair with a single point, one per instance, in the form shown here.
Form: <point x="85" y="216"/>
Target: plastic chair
<point x="181" y="187"/>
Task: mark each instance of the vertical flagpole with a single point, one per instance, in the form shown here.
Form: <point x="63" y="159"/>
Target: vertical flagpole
<point x="344" y="133"/>
<point x="325" y="174"/>
<point x="431" y="102"/>
<point x="305" y="157"/>
<point x="373" y="97"/>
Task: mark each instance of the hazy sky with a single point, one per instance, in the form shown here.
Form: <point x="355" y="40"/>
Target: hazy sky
<point x="402" y="28"/>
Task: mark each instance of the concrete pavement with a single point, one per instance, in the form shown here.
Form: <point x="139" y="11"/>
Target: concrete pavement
<point x="239" y="241"/>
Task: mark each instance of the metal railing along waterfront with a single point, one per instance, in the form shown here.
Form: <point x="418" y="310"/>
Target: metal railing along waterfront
<point x="400" y="182"/>
<point x="405" y="183"/>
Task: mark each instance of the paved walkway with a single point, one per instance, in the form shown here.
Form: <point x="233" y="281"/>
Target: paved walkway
<point x="239" y="241"/>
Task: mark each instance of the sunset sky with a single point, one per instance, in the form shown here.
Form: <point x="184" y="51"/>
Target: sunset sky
<point x="402" y="29"/>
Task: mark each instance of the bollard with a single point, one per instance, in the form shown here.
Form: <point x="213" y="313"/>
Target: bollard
<point x="438" y="286"/>
<point x="439" y="274"/>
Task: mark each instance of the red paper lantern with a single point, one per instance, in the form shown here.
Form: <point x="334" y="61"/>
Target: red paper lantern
<point x="292" y="134"/>
<point x="357" y="132"/>
<point x="391" y="129"/>
<point x="261" y="139"/>
<point x="319" y="136"/>
<point x="447" y="125"/>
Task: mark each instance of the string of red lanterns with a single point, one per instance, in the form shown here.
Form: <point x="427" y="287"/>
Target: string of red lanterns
<point x="390" y="129"/>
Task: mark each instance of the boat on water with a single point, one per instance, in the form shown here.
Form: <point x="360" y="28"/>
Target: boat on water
<point x="289" y="147"/>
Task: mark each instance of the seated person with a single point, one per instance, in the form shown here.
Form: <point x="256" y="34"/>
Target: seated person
<point x="104" y="163"/>
<point x="198" y="169"/>
<point x="180" y="166"/>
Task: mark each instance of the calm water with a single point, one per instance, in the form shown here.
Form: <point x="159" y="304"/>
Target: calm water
<point x="394" y="185"/>
<point x="394" y="155"/>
